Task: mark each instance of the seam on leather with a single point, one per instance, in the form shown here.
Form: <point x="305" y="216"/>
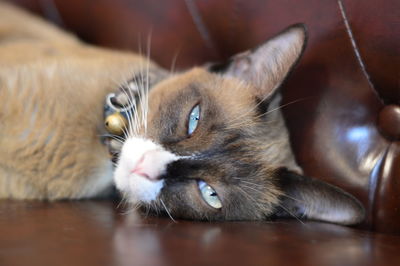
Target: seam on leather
<point x="355" y="48"/>
<point x="200" y="25"/>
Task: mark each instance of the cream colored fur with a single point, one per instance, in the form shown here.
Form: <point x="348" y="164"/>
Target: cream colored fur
<point x="52" y="91"/>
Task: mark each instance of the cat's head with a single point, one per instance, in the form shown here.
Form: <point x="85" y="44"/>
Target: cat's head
<point x="211" y="143"/>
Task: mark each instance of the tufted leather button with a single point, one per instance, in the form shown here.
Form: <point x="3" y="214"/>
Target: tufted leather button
<point x="389" y="121"/>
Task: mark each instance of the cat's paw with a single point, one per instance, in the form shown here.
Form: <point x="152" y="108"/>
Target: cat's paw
<point x="114" y="147"/>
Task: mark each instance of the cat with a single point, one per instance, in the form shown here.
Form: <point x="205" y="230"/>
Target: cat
<point x="209" y="143"/>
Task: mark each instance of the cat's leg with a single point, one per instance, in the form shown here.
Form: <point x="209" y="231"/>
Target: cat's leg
<point x="18" y="25"/>
<point x="16" y="185"/>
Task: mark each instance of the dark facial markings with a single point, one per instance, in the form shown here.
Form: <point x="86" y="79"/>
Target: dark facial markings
<point x="224" y="164"/>
<point x="173" y="119"/>
<point x="173" y="116"/>
<point x="216" y="154"/>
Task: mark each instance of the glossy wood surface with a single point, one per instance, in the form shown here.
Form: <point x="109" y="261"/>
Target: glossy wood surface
<point x="98" y="233"/>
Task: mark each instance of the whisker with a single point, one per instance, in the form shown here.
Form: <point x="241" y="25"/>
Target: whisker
<point x="268" y="111"/>
<point x="131" y="102"/>
<point x="114" y="138"/>
<point x="250" y="183"/>
<point x="249" y="197"/>
<point x="291" y="214"/>
<point x="169" y="214"/>
<point x="123" y="201"/>
<point x="142" y="94"/>
<point x="173" y="63"/>
<point x="257" y="186"/>
<point x="239" y="125"/>
<point x="289" y="197"/>
<point x="284" y="105"/>
<point x="122" y="86"/>
<point x="147" y="81"/>
<point x="260" y="191"/>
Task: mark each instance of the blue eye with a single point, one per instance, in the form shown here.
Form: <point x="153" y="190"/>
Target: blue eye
<point x="194" y="118"/>
<point x="209" y="195"/>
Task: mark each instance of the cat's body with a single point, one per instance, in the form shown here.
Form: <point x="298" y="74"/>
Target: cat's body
<point x="52" y="91"/>
<point x="208" y="143"/>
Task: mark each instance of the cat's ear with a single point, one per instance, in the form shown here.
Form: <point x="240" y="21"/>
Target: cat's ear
<point x="316" y="200"/>
<point x="266" y="66"/>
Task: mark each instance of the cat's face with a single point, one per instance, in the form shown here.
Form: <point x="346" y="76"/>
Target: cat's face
<point x="225" y="148"/>
<point x="204" y="145"/>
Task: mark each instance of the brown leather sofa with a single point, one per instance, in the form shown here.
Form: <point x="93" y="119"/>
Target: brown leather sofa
<point x="342" y="105"/>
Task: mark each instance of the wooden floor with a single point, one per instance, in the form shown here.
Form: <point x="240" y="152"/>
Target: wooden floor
<point x="98" y="233"/>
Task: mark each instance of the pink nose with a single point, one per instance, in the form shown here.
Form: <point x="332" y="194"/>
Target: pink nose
<point x="151" y="165"/>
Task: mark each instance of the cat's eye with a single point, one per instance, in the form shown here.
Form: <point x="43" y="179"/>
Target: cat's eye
<point x="209" y="195"/>
<point x="194" y="118"/>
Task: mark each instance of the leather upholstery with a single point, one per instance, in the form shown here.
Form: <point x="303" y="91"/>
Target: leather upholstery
<point x="342" y="102"/>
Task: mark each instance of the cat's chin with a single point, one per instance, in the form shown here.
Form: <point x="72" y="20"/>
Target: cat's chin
<point x="139" y="189"/>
